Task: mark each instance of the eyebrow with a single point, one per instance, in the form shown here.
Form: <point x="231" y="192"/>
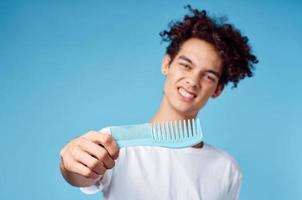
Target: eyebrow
<point x="186" y="59"/>
<point x="208" y="70"/>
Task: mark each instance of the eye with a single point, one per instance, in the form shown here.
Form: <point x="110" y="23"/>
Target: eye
<point x="186" y="66"/>
<point x="210" y="77"/>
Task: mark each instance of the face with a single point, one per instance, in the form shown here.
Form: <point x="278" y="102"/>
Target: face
<point x="192" y="77"/>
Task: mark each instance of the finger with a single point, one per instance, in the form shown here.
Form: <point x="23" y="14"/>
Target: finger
<point x="92" y="148"/>
<point x="85" y="171"/>
<point x="96" y="166"/>
<point x="98" y="152"/>
<point x="89" y="161"/>
<point x="100" y="169"/>
<point x="106" y="140"/>
<point x="107" y="160"/>
<point x="79" y="168"/>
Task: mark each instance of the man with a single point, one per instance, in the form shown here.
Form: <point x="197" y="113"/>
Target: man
<point x="202" y="57"/>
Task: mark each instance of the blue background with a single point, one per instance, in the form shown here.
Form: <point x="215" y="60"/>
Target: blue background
<point x="67" y="67"/>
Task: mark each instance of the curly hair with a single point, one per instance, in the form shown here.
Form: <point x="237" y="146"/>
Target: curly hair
<point x="233" y="48"/>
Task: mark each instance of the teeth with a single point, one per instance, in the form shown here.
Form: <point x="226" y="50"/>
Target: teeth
<point x="184" y="93"/>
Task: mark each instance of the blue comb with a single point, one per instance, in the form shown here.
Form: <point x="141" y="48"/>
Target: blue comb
<point x="171" y="134"/>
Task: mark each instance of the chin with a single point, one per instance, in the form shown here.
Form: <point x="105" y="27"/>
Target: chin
<point x="188" y="112"/>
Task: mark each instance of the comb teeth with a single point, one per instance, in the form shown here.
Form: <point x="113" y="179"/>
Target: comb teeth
<point x="176" y="130"/>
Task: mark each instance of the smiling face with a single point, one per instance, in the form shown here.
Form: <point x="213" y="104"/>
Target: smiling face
<point x="191" y="78"/>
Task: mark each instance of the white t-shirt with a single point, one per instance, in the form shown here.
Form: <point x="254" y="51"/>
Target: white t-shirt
<point x="149" y="173"/>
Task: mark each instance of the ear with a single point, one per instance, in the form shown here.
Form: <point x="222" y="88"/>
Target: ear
<point x="165" y="66"/>
<point x="218" y="91"/>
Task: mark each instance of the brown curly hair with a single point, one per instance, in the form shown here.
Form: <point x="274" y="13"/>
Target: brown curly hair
<point x="233" y="48"/>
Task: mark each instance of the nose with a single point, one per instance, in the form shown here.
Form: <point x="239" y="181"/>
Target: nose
<point x="192" y="82"/>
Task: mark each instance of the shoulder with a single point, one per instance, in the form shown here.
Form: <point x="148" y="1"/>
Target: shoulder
<point x="222" y="159"/>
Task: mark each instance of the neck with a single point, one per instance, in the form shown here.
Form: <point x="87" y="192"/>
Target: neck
<point x="167" y="113"/>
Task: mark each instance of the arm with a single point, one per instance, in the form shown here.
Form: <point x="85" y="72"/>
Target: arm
<point x="234" y="191"/>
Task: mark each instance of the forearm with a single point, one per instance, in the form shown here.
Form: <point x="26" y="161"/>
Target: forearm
<point x="76" y="179"/>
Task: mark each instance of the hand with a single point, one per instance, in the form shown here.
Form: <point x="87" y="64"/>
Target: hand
<point x="90" y="155"/>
